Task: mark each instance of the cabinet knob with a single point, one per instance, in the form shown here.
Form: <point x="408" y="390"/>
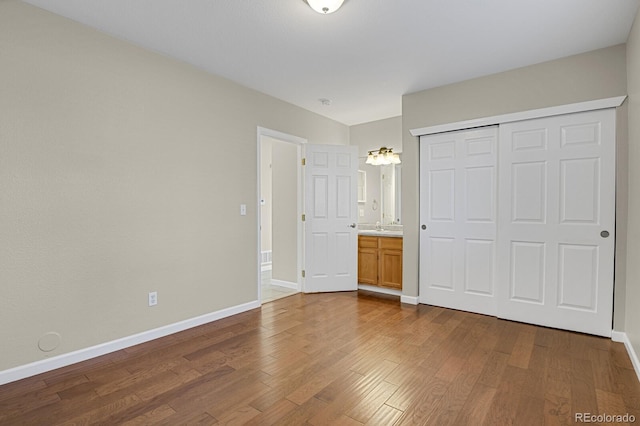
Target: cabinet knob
<point x="353" y="225"/>
<point x="423" y="227"/>
<point x="604" y="234"/>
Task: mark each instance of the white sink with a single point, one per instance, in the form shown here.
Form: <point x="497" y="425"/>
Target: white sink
<point x="382" y="232"/>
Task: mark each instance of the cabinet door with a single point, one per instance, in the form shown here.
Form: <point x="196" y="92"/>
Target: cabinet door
<point x="368" y="260"/>
<point x="390" y="262"/>
<point x="390" y="268"/>
<point x="368" y="266"/>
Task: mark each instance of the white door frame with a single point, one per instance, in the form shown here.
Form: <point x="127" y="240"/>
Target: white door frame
<point x="299" y="143"/>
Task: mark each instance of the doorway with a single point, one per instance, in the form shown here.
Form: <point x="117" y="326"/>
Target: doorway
<point x="279" y="225"/>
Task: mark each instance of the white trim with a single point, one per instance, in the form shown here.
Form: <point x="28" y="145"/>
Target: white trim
<point x="263" y="131"/>
<point x="31" y="369"/>
<point x="522" y="115"/>
<point x="377" y="289"/>
<point x="619" y="336"/>
<point x="299" y="142"/>
<point x="266" y="267"/>
<point x="286" y="284"/>
<point x="410" y="300"/>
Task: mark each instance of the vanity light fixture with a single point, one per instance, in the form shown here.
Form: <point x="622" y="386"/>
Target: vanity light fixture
<point x="325" y="6"/>
<point x="382" y="157"/>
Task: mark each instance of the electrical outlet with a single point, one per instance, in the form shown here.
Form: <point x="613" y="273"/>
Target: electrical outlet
<point x="153" y="298"/>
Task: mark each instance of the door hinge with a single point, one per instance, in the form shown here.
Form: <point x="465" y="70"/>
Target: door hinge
<point x="304" y="217"/>
<point x="303" y="273"/>
<point x="304" y="161"/>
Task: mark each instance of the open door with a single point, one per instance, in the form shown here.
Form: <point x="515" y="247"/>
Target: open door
<point x="330" y="215"/>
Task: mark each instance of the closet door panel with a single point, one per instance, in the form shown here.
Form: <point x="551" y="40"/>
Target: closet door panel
<point x="458" y="195"/>
<point x="556" y="221"/>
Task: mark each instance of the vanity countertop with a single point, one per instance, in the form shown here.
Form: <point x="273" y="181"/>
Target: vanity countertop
<point x="380" y="233"/>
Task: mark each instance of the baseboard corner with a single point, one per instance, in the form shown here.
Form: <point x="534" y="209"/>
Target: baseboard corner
<point x="620" y="336"/>
<point x="409" y="300"/>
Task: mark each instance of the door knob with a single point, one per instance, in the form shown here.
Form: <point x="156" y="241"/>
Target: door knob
<point x="604" y="234"/>
<point x="423" y="227"/>
<point x="353" y="225"/>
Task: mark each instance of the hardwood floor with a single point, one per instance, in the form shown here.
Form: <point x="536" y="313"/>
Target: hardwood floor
<point x="339" y="358"/>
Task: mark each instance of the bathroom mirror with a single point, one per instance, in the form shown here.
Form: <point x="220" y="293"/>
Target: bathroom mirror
<point x="390" y="179"/>
<point x="362" y="186"/>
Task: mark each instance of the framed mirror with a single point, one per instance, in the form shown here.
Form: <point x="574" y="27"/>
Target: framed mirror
<point x="390" y="194"/>
<point x="362" y="186"/>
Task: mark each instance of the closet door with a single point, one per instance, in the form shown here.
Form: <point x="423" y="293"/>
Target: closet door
<point x="458" y="219"/>
<point x="556" y="232"/>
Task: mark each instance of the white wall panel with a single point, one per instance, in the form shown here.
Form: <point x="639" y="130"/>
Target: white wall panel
<point x="478" y="267"/>
<point x="580" y="134"/>
<point x="442" y="251"/>
<point x="342" y="253"/>
<point x="480" y="191"/>
<point x="580" y="190"/>
<point x="442" y="151"/>
<point x="480" y="146"/>
<point x="535" y="139"/>
<point x="320" y="244"/>
<point x="527" y="271"/>
<point x="343" y="197"/>
<point x="578" y="278"/>
<point x="529" y="192"/>
<point x="442" y="187"/>
<point x="320" y="197"/>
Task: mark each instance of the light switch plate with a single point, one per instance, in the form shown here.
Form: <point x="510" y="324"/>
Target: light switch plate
<point x="243" y="209"/>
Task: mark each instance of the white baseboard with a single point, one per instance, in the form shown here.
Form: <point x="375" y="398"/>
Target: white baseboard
<point x="31" y="369"/>
<point x="410" y="300"/>
<point x="377" y="289"/>
<point x="287" y="284"/>
<point x="619" y="336"/>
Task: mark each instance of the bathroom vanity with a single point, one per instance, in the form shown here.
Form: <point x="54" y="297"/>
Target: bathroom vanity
<point x="380" y="258"/>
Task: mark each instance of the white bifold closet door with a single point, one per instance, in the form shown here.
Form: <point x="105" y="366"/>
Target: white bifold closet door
<point x="518" y="220"/>
<point x="458" y="220"/>
<point x="557" y="219"/>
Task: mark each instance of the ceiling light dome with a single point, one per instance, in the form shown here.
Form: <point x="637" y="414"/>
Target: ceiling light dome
<point x="325" y="6"/>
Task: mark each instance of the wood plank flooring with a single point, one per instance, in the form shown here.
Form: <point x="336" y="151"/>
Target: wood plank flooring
<point x="339" y="358"/>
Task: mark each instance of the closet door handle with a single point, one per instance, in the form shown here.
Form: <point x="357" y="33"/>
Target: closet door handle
<point x="424" y="227"/>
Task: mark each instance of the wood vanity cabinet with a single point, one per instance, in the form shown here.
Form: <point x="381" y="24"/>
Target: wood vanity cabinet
<point x="380" y="261"/>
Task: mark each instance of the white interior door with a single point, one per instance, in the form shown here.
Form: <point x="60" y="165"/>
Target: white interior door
<point x="458" y="219"/>
<point x="331" y="237"/>
<point x="557" y="212"/>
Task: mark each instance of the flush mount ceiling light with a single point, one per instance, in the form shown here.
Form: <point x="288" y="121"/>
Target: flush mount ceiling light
<point x="325" y="6"/>
<point x="382" y="157"/>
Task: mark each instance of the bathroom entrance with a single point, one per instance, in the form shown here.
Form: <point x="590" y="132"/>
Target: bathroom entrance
<point x="280" y="193"/>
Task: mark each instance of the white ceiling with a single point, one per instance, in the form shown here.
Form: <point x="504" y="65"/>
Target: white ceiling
<point x="366" y="55"/>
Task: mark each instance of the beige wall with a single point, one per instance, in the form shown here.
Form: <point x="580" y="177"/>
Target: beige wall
<point x="593" y="75"/>
<point x="632" y="323"/>
<point x="285" y="211"/>
<point x="122" y="172"/>
<point x="368" y="137"/>
<point x="375" y="134"/>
